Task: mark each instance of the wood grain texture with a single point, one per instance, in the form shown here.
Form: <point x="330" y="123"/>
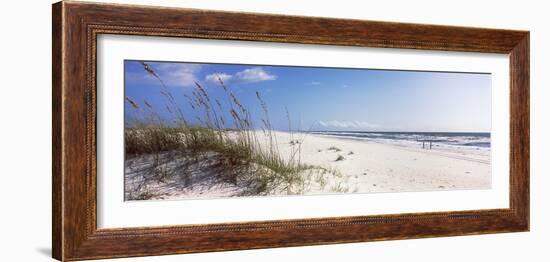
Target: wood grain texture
<point x="76" y="27"/>
<point x="519" y="129"/>
<point x="57" y="191"/>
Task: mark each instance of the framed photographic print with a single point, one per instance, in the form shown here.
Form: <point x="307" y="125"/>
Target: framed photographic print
<point x="181" y="130"/>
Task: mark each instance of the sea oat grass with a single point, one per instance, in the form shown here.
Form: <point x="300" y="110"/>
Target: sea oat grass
<point x="236" y="150"/>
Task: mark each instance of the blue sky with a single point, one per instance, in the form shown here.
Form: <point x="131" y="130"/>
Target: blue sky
<point x="326" y="98"/>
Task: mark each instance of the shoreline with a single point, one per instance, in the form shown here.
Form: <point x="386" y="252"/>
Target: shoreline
<point x="397" y="167"/>
<point x="366" y="167"/>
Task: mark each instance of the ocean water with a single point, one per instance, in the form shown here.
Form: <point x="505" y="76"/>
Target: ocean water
<point x="477" y="141"/>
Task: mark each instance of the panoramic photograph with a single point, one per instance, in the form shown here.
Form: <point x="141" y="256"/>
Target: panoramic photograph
<point x="206" y="130"/>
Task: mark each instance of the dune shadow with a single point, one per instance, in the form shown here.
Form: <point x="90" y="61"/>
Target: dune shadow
<point x="181" y="173"/>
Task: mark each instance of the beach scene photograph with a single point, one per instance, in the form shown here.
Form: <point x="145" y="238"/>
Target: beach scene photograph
<point x="211" y="130"/>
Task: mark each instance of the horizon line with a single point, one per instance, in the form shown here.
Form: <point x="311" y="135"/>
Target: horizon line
<point x="389" y="131"/>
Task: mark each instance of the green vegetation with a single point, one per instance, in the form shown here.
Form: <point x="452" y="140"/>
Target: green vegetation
<point x="236" y="154"/>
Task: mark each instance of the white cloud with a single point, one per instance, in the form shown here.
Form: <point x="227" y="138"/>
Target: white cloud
<point x="255" y="74"/>
<point x="314" y="83"/>
<point x="347" y="124"/>
<point x="175" y="74"/>
<point x="182" y="74"/>
<point x="213" y="78"/>
<point x="249" y="75"/>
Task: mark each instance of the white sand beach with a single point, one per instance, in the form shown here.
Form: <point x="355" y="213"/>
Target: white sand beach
<point x="365" y="167"/>
<point x="379" y="167"/>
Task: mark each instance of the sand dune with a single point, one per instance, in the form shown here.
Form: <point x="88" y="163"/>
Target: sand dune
<point x="365" y="167"/>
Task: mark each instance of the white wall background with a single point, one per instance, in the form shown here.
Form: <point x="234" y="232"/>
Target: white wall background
<point x="25" y="131"/>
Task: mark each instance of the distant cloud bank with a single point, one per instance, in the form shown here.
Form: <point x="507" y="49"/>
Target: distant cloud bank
<point x="347" y="124"/>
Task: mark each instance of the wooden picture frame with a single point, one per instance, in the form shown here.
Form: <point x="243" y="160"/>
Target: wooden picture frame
<point x="76" y="26"/>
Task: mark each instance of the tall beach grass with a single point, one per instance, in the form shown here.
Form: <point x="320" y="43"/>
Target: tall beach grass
<point x="221" y="133"/>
